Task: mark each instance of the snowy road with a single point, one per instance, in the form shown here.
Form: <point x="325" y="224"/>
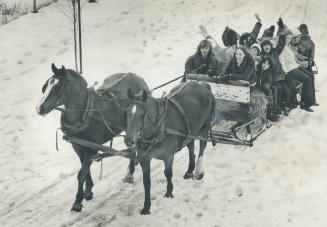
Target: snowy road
<point x="281" y="181"/>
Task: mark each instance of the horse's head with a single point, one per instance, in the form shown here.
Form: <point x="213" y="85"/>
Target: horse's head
<point x="136" y="113"/>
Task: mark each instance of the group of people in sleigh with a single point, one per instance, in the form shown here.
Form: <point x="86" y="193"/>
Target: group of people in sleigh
<point x="270" y="63"/>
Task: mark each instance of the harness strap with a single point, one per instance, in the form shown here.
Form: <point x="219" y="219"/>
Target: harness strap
<point x="181" y="111"/>
<point x="161" y="135"/>
<point x="105" y="121"/>
<point x="84" y="122"/>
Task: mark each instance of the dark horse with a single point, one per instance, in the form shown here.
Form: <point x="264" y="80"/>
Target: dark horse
<point x="95" y="116"/>
<point x="158" y="128"/>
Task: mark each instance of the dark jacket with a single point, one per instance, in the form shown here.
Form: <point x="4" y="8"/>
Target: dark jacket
<point x="252" y="36"/>
<point x="278" y="73"/>
<point x="246" y="71"/>
<point x="306" y="47"/>
<point x="265" y="77"/>
<point x="199" y="65"/>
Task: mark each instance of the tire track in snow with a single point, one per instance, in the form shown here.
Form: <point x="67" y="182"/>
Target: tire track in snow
<point x="38" y="196"/>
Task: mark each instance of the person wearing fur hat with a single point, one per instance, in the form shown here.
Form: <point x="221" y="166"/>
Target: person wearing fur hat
<point x="283" y="91"/>
<point x="203" y="61"/>
<point x="223" y="55"/>
<point x="291" y="62"/>
<point x="306" y="47"/>
<point x="241" y="67"/>
<point x="249" y="38"/>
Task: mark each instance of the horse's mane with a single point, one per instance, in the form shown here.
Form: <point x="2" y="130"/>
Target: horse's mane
<point x="75" y="77"/>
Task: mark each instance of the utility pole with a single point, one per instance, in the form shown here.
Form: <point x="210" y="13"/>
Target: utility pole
<point x="77" y="41"/>
<point x="34" y="7"/>
<point x="80" y="35"/>
<point x="75" y="34"/>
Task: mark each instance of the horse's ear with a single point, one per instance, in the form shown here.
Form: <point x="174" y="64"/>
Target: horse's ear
<point x="54" y="68"/>
<point x="63" y="68"/>
<point x="144" y="95"/>
<point x="130" y="94"/>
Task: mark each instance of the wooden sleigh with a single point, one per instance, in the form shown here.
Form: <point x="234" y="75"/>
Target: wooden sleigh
<point x="240" y="112"/>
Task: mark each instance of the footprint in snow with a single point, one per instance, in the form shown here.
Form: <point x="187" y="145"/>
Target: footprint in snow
<point x="177" y="216"/>
<point x="27" y="54"/>
<point x="62" y="51"/>
<point x="6" y="116"/>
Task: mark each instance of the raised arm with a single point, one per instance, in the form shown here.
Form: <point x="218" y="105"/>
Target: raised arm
<point x="257" y="27"/>
<point x="281" y="36"/>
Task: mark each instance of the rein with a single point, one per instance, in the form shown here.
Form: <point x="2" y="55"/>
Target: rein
<point x="92" y="106"/>
<point x="158" y="138"/>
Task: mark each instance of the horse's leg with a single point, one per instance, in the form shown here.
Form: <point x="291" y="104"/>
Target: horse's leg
<point x="199" y="170"/>
<point x="82" y="175"/>
<point x="169" y="174"/>
<point x="191" y="165"/>
<point x="88" y="194"/>
<point x="129" y="175"/>
<point x="145" y="164"/>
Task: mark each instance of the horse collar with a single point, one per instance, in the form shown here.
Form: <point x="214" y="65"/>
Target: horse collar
<point x="72" y="129"/>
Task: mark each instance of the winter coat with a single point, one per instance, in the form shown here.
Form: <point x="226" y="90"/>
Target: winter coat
<point x="306" y="47"/>
<point x="265" y="76"/>
<point x="288" y="58"/>
<point x="278" y="73"/>
<point x="245" y="71"/>
<point x="199" y="65"/>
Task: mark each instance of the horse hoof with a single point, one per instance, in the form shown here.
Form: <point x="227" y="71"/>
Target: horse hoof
<point x="88" y="195"/>
<point x="128" y="179"/>
<point x="169" y="195"/>
<point x="200" y="176"/>
<point x="188" y="176"/>
<point x="145" y="211"/>
<point x="77" y="207"/>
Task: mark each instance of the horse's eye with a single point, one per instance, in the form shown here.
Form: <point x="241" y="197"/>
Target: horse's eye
<point x="44" y="87"/>
<point x="52" y="82"/>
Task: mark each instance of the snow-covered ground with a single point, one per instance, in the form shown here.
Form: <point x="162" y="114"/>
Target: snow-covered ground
<point x="281" y="181"/>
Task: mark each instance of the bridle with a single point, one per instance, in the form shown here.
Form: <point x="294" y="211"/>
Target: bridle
<point x="157" y="137"/>
<point x="145" y="109"/>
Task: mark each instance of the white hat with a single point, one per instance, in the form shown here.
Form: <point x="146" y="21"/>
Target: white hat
<point x="256" y="45"/>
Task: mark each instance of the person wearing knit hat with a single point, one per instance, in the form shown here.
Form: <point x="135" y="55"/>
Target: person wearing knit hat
<point x="268" y="33"/>
<point x="248" y="38"/>
<point x="255" y="49"/>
